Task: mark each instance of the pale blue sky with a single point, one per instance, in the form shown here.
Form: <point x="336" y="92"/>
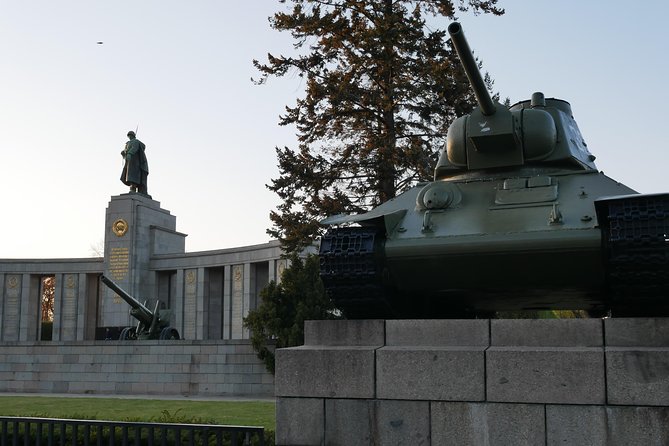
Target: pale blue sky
<point x="181" y="71"/>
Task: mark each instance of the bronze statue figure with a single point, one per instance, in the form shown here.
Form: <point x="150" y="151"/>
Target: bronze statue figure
<point x="136" y="169"/>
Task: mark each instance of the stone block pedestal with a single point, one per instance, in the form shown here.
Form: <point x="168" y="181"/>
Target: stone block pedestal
<point x="473" y="382"/>
<point x="137" y="228"/>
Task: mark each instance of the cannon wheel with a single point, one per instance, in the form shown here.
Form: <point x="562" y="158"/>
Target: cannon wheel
<point x="169" y="333"/>
<point x="128" y="334"/>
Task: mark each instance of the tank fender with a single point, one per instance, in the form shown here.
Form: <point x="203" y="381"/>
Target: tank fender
<point x="391" y="219"/>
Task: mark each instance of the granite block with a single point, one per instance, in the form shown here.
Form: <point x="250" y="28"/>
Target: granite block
<point x="349" y="422"/>
<point x="638" y="425"/>
<point x="465" y="424"/>
<point x="576" y="425"/>
<point x="344" y="332"/>
<point x="241" y="368"/>
<point x="637" y="376"/>
<point x="610" y="426"/>
<point x="300" y="421"/>
<point x="637" y="332"/>
<point x="442" y="374"/>
<point x="258" y="368"/>
<point x="545" y="375"/>
<point x="61" y="386"/>
<point x="546" y="332"/>
<point x="334" y="372"/>
<point x="441" y="332"/>
<point x="211" y="368"/>
<point x="402" y="422"/>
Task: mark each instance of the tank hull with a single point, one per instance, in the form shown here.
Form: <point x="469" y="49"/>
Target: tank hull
<point x="531" y="240"/>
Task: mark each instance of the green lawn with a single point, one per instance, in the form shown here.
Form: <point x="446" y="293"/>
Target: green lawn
<point x="247" y="413"/>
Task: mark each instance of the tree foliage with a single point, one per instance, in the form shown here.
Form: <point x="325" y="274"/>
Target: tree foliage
<point x="279" y="319"/>
<point x="381" y="88"/>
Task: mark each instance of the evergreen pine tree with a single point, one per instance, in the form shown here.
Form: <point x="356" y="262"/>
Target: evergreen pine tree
<point x="279" y="319"/>
<point x="381" y="88"/>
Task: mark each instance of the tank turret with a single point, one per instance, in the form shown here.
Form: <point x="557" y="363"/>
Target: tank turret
<point x="536" y="131"/>
<point x="517" y="217"/>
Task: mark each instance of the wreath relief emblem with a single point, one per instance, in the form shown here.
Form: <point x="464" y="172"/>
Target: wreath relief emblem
<point x="12" y="282"/>
<point x="120" y="227"/>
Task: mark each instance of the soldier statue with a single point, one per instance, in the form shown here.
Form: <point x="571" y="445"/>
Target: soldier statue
<point x="136" y="168"/>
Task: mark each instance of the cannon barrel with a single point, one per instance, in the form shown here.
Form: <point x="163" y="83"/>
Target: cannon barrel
<point x="139" y="311"/>
<point x="486" y="104"/>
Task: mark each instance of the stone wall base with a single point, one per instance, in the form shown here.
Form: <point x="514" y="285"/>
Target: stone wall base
<point x="474" y="382"/>
<point x="187" y="368"/>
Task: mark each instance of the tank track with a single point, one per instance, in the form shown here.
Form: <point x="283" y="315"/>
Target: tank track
<point x="635" y="244"/>
<point x="351" y="266"/>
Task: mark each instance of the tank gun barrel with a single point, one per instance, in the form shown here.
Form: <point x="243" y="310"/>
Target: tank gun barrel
<point x="486" y="104"/>
<point x="139" y="311"/>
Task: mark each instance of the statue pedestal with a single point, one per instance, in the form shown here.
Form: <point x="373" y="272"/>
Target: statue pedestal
<point x="137" y="228"/>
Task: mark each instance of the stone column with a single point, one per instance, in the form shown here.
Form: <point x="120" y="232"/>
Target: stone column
<point x="82" y="300"/>
<point x="30" y="311"/>
<point x="57" y="307"/>
<point x="237" y="302"/>
<point x="12" y="307"/>
<point x="249" y="289"/>
<point x="190" y="304"/>
<point x="272" y="270"/>
<point x="69" y="303"/>
<point x="281" y="266"/>
<point x="179" y="306"/>
<point x="227" y="302"/>
<point x="200" y="319"/>
<point x="2" y="302"/>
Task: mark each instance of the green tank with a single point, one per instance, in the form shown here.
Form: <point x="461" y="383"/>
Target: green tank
<point x="517" y="218"/>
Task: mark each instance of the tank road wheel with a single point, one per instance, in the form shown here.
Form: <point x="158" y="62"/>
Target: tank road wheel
<point x="128" y="334"/>
<point x="169" y="333"/>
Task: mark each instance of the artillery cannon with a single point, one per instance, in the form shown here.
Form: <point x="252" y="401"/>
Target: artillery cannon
<point x="518" y="217"/>
<point x="151" y="324"/>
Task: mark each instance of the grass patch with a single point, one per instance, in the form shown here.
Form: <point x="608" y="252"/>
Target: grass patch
<point x="246" y="413"/>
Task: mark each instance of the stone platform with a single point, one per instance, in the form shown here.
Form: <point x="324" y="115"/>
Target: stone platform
<point x="164" y="368"/>
<point x="474" y="382"/>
